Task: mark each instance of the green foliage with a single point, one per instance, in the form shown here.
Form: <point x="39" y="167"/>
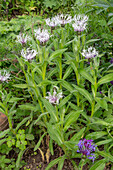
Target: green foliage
<point x="30" y="98"/>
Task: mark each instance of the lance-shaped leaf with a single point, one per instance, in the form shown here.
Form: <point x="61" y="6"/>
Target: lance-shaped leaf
<point x="55" y="133"/>
<point x="78" y="135"/>
<point x="71" y="118"/>
<point x="65" y="100"/>
<point x="107" y="78"/>
<point x="4" y="133"/>
<point x="52" y="163"/>
<point x="66" y="85"/>
<point x="99" y="165"/>
<point x="67" y="72"/>
<point x="106" y="155"/>
<point x="96" y="135"/>
<point x="85" y="93"/>
<point x="50" y="109"/>
<point x="21" y="86"/>
<point x="86" y="75"/>
<point x="102" y="103"/>
<point x="39" y="142"/>
<point x="56" y="54"/>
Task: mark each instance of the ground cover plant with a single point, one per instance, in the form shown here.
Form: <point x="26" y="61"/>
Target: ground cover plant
<point x="56" y="91"/>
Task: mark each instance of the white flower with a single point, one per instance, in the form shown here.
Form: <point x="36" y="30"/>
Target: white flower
<point x="64" y="19"/>
<point x="90" y="53"/>
<point x="22" y="38"/>
<point x="42" y="35"/>
<point x="28" y="54"/>
<point x="4" y="75"/>
<point x="80" y="23"/>
<point x="55" y="97"/>
<point x="53" y="22"/>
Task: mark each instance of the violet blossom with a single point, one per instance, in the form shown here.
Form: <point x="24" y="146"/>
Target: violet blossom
<point x="4" y="75"/>
<point x="89" y="53"/>
<point x="111" y="61"/>
<point x="55" y="97"/>
<point x="28" y="54"/>
<point x="87" y="147"/>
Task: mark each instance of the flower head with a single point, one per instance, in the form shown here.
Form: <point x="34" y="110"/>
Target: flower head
<point x="111" y="61"/>
<point x="4" y="75"/>
<point x="28" y="54"/>
<point x="42" y="35"/>
<point x="53" y="22"/>
<point x="90" y="53"/>
<point x="111" y="82"/>
<point x="80" y="23"/>
<point x="86" y="147"/>
<point x="22" y="38"/>
<point x="55" y="97"/>
<point x="64" y="19"/>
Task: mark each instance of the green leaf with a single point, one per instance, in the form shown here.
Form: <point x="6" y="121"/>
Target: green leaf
<point x="28" y="106"/>
<point x="52" y="163"/>
<point x="96" y="135"/>
<point x="67" y="72"/>
<point x="104" y="142"/>
<point x="22" y="122"/>
<point x="99" y="165"/>
<point x="4" y="133"/>
<point x="101" y="122"/>
<point x="110" y="21"/>
<point x="51" y="146"/>
<point x="78" y="135"/>
<point x="56" y="54"/>
<point x="70" y="118"/>
<point x="85" y="93"/>
<point x="40" y="117"/>
<point x="15" y="99"/>
<point x="66" y="85"/>
<point x="64" y="101"/>
<point x="86" y="75"/>
<point x="61" y="163"/>
<point x="29" y="136"/>
<point x="107" y="78"/>
<point x="21" y="86"/>
<point x="39" y="142"/>
<point x="19" y="158"/>
<point x="2" y="141"/>
<point x="108" y="156"/>
<point x="50" y="109"/>
<point x="102" y="103"/>
<point x="92" y="40"/>
<point x="54" y="133"/>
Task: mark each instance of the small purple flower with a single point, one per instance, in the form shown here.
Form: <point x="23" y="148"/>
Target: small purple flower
<point x="86" y="147"/>
<point x="111" y="61"/>
<point x="100" y="92"/>
<point x="111" y="82"/>
<point x="55" y="97"/>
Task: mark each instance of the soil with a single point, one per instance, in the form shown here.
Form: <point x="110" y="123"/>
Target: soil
<point x="38" y="160"/>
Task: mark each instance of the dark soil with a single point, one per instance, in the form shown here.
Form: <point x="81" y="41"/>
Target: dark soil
<point x="38" y="160"/>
